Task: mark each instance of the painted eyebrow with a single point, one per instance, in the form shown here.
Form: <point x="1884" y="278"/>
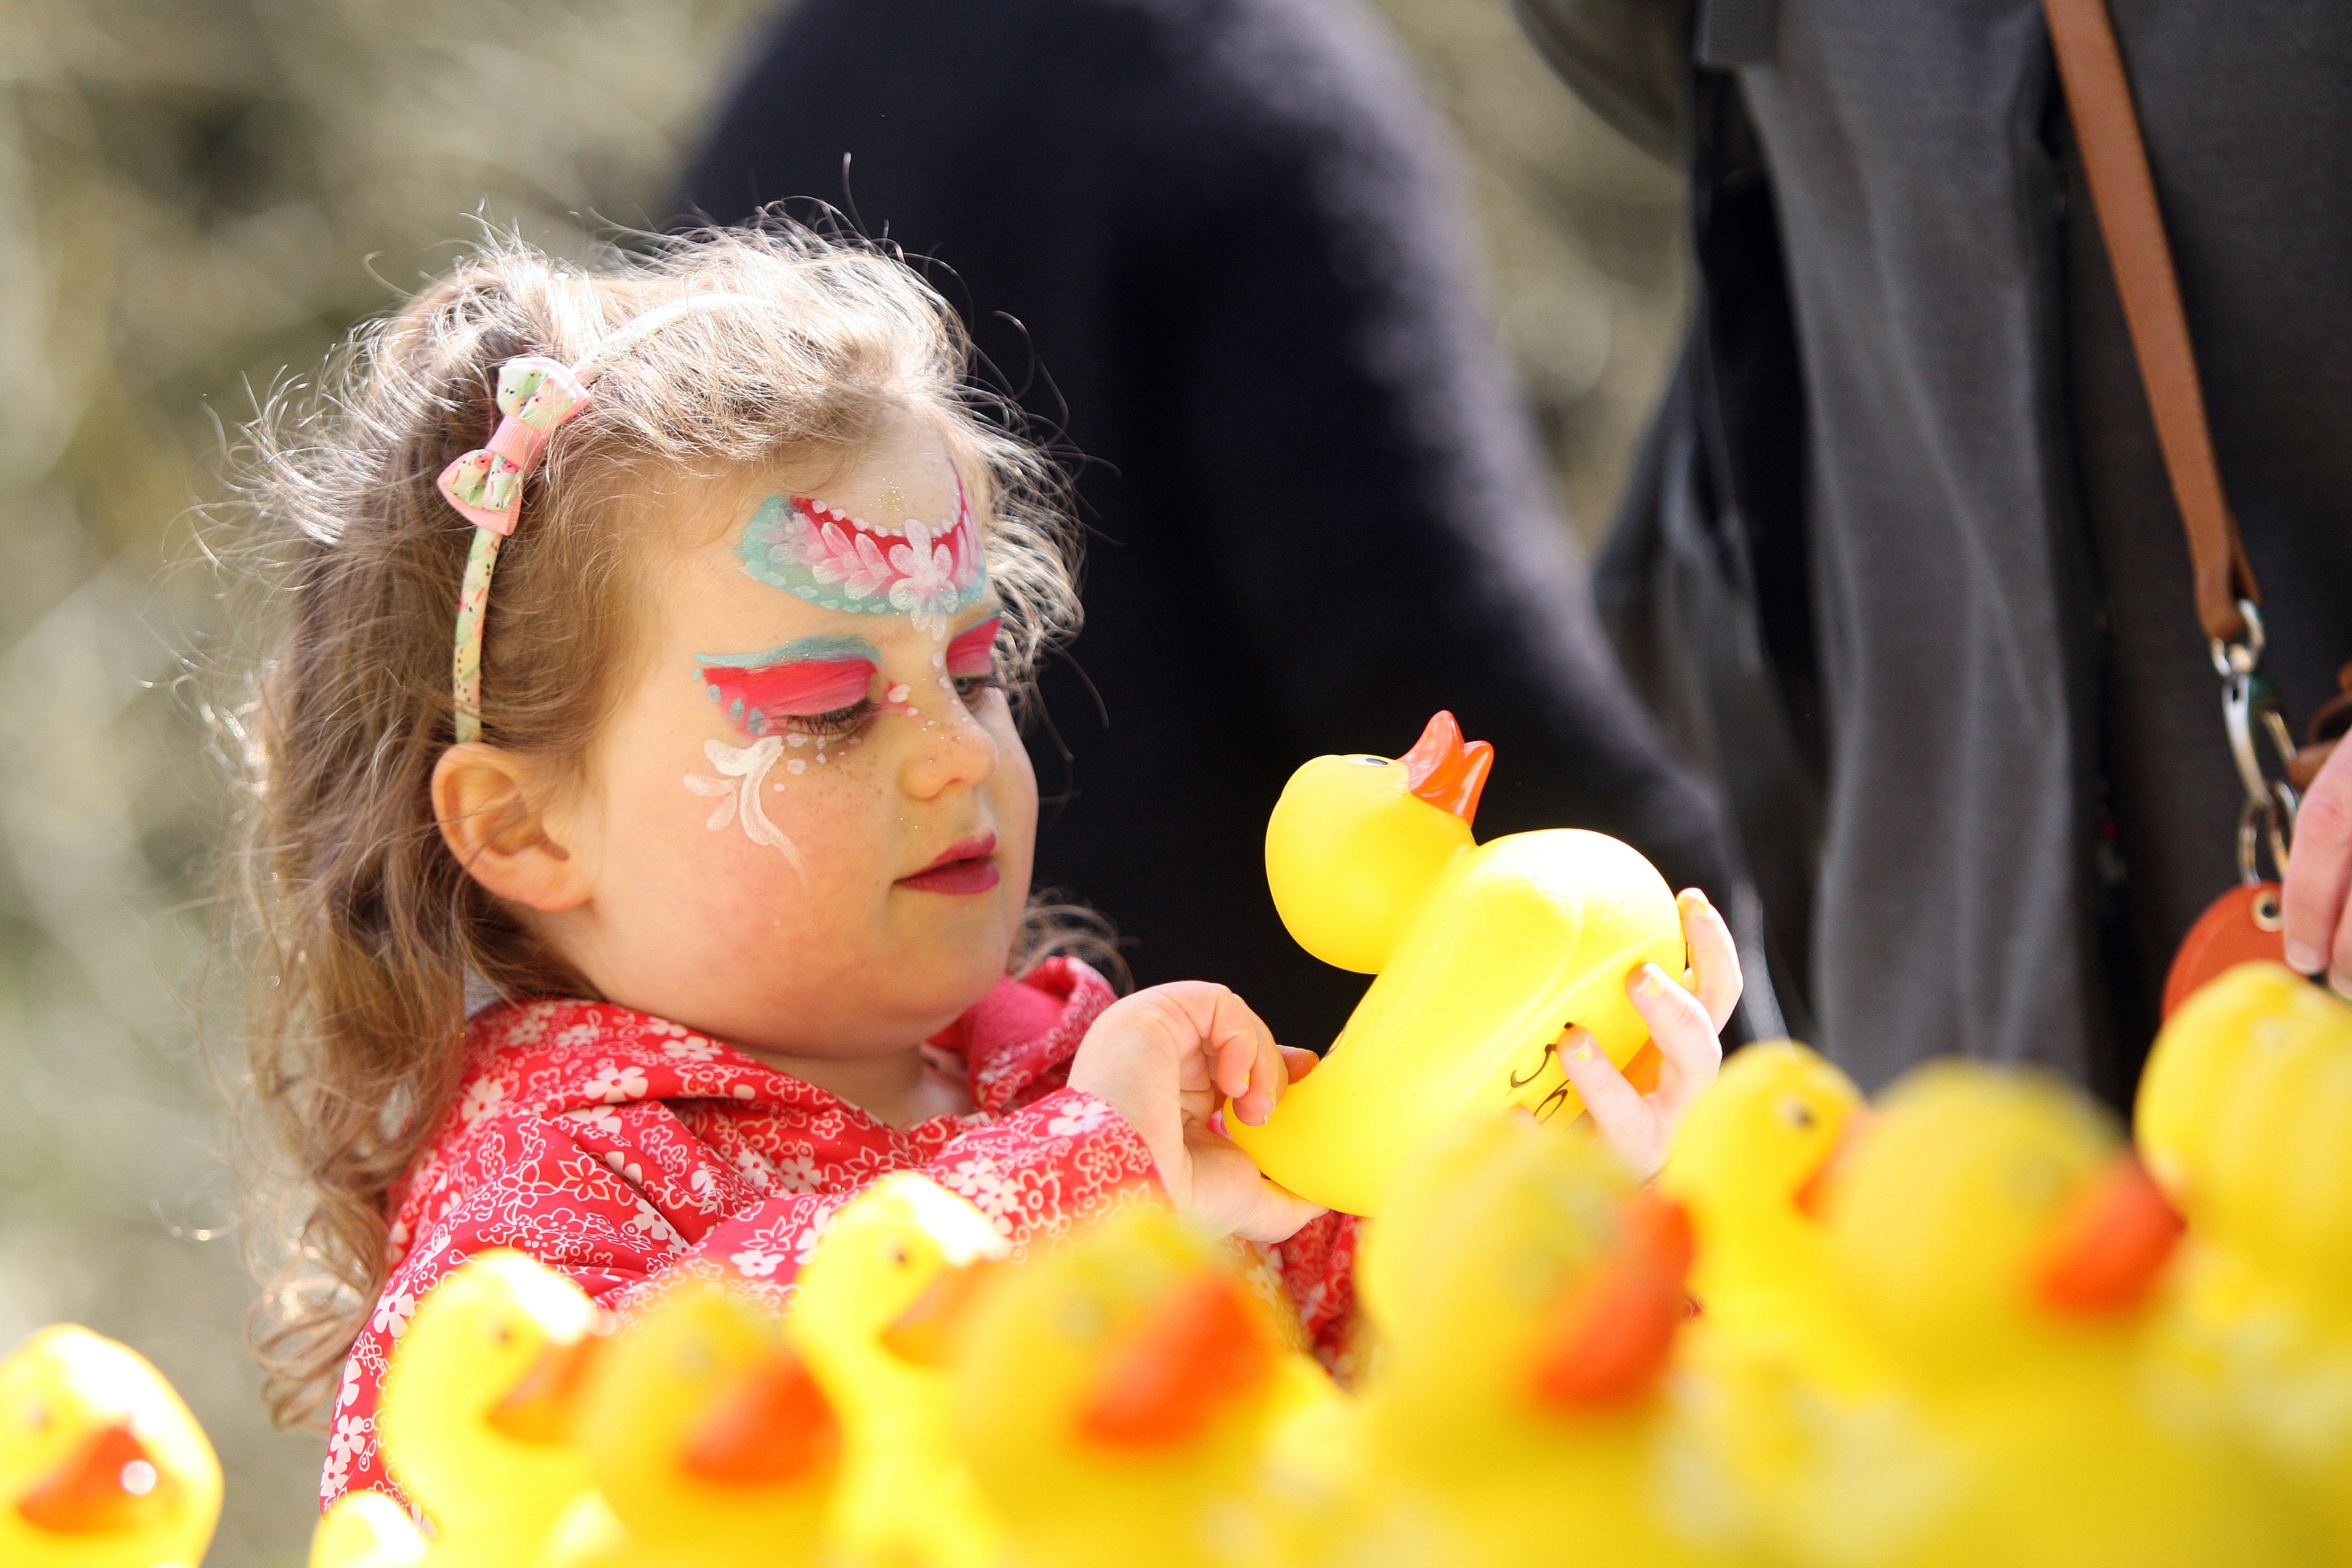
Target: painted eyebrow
<point x="971" y="651"/>
<point x="798" y="680"/>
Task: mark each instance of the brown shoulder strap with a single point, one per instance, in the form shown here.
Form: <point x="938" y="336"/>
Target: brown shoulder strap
<point x="2114" y="160"/>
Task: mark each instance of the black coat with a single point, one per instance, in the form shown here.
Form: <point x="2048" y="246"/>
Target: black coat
<point x="1980" y="762"/>
<point x="1213" y="240"/>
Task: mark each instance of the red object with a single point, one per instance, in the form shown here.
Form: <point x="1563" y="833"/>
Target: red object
<point x="615" y="1148"/>
<point x="1611" y="1333"/>
<point x="777" y="1428"/>
<point x="109" y="1483"/>
<point x="1200" y="1351"/>
<point x="2109" y="1249"/>
<point x="2227" y="934"/>
<point x="1444" y="771"/>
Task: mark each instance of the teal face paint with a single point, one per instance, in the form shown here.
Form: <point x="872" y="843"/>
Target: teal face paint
<point x="829" y="558"/>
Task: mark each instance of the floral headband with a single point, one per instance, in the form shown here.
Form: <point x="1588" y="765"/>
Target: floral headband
<point x="536" y="395"/>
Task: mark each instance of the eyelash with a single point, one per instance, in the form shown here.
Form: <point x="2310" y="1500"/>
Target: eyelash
<point x="836" y="721"/>
<point x="968" y="688"/>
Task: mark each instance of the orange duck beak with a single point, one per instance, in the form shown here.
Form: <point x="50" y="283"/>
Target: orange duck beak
<point x="1444" y="771"/>
<point x="2107" y="1250"/>
<point x="538" y="1408"/>
<point x="110" y="1483"/>
<point x="927" y="1333"/>
<point x="1609" y="1335"/>
<point x="777" y="1428"/>
<point x="1198" y="1352"/>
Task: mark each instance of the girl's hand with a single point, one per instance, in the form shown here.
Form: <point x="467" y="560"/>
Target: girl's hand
<point x="1166" y="1059"/>
<point x="1641" y="1127"/>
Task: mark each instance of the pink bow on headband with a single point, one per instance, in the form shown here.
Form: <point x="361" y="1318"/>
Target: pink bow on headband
<point x="535" y="396"/>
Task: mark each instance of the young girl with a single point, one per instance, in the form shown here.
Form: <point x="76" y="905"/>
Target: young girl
<point x="642" y="837"/>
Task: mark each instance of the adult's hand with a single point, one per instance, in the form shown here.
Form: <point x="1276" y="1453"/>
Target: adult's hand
<point x="2319" y="871"/>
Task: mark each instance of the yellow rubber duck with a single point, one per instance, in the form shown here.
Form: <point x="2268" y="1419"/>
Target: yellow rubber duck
<point x="1527" y="1298"/>
<point x="1775" y="1339"/>
<point x="1749" y="1164"/>
<point x="367" y="1529"/>
<point x="476" y="1423"/>
<point x="2004" y="1250"/>
<point x="878" y="1306"/>
<point x="706" y="1438"/>
<point x="2246" y="1105"/>
<point x="1113" y="1401"/>
<point x="100" y="1464"/>
<point x="1485" y="955"/>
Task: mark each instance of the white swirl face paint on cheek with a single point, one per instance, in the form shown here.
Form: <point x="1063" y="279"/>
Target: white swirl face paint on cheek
<point x="741" y="801"/>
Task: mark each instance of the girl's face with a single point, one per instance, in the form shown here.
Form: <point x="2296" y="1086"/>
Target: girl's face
<point x="808" y="825"/>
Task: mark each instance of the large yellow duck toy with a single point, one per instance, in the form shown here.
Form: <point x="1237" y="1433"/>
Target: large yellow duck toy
<point x="2004" y="1250"/>
<point x="1526" y="1300"/>
<point x="480" y="1405"/>
<point x="1114" y="1401"/>
<point x="1485" y="955"/>
<point x="874" y="1318"/>
<point x="100" y="1464"/>
<point x="2245" y="1113"/>
<point x="708" y="1438"/>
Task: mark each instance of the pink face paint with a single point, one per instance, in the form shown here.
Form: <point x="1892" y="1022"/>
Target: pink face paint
<point x="973" y="653"/>
<point x="816" y="675"/>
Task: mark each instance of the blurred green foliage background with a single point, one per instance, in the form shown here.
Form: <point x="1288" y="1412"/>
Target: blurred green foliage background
<point x="197" y="195"/>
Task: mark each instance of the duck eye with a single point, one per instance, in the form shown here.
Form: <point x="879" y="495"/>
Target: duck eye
<point x="36" y="1416"/>
<point x="501" y="1334"/>
<point x="1800" y="1115"/>
<point x="1369" y="762"/>
<point x="898" y="1254"/>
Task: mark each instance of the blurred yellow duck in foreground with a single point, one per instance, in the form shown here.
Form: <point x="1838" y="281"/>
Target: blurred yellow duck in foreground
<point x="706" y="1437"/>
<point x="1527" y="1299"/>
<point x="367" y="1529"/>
<point x="1113" y="1401"/>
<point x="100" y="1464"/>
<point x="1485" y="955"/>
<point x="2245" y="1113"/>
<point x="2002" y="1249"/>
<point x="477" y="1413"/>
<point x="874" y="1320"/>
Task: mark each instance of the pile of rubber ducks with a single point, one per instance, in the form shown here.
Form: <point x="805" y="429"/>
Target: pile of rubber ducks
<point x="1968" y="1325"/>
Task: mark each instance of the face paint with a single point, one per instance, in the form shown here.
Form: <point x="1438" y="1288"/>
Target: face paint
<point x="741" y="801"/>
<point x="814" y="675"/>
<point x="973" y="653"/>
<point x="832" y="559"/>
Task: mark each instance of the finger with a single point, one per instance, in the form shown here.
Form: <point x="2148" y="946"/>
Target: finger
<point x="1278" y="1213"/>
<point x="1715" y="957"/>
<point x="2319" y="866"/>
<point x="1249" y="1067"/>
<point x="1299" y="1061"/>
<point x="1616" y="1106"/>
<point x="1685" y="1033"/>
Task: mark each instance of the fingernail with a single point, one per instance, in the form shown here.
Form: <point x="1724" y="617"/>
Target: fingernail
<point x="1583" y="1053"/>
<point x="2302" y="959"/>
<point x="2340" y="983"/>
<point x="1654" y="980"/>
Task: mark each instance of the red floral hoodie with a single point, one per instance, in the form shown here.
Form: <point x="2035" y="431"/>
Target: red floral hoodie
<point x="614" y="1147"/>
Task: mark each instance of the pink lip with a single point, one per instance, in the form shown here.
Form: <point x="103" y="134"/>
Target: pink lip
<point x="964" y="869"/>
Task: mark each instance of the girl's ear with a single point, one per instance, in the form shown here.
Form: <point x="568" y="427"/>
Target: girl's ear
<point x="485" y="800"/>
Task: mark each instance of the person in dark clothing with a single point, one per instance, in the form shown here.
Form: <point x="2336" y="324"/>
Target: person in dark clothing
<point x="1957" y="694"/>
<point x="1212" y="242"/>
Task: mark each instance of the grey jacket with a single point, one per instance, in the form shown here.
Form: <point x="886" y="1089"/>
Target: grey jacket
<point x="1901" y="541"/>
